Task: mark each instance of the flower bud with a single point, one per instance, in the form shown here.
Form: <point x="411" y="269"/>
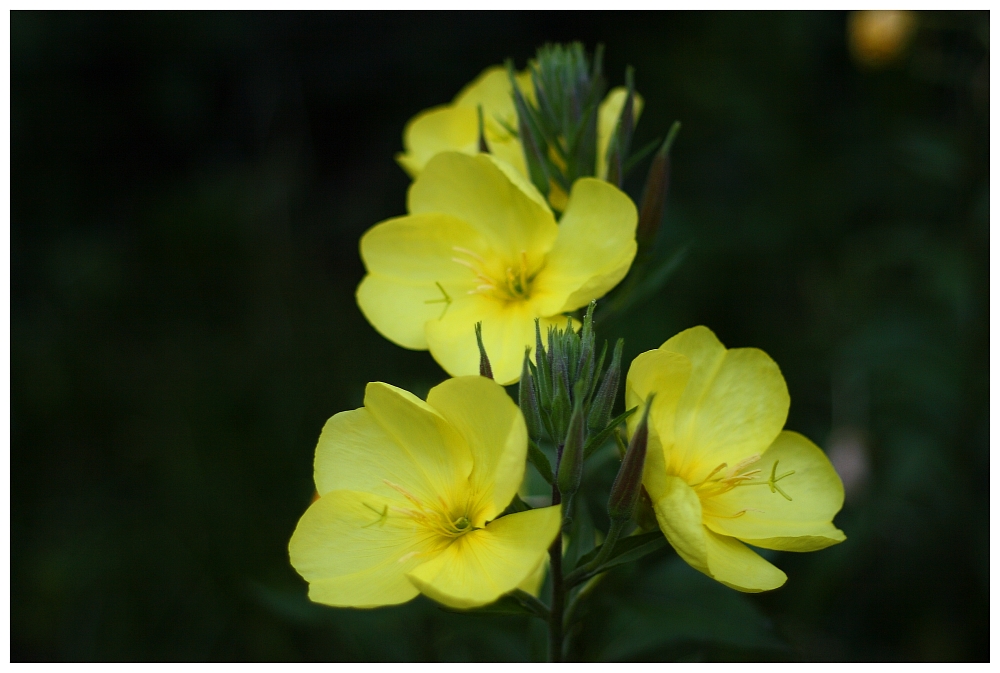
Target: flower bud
<point x="532" y="140"/>
<point x="562" y="402"/>
<point x="654" y="196"/>
<point x="571" y="462"/>
<point x="529" y="400"/>
<point x="543" y="370"/>
<point x="604" y="400"/>
<point x="587" y="349"/>
<point x="628" y="483"/>
<point x="484" y="361"/>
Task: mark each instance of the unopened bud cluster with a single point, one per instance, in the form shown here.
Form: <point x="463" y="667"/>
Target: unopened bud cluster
<point x="567" y="396"/>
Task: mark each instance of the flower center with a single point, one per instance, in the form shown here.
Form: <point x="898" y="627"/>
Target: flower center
<point x="514" y="284"/>
<point x="436" y="517"/>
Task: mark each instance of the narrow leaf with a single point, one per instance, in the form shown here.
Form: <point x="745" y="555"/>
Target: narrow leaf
<point x="540" y="461"/>
<point x="626" y="550"/>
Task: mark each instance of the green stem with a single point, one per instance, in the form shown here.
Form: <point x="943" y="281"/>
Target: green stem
<point x="585" y="572"/>
<point x="574" y="606"/>
<point x="558" y="591"/>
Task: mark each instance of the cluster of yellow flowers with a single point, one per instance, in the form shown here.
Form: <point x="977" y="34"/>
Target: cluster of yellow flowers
<point x="412" y="493"/>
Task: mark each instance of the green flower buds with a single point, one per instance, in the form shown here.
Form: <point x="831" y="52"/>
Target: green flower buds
<point x="571" y="462"/>
<point x="654" y="196"/>
<point x="604" y="400"/>
<point x="628" y="483"/>
<point x="528" y="400"/>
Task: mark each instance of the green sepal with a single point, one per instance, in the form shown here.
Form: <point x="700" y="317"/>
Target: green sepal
<point x="626" y="550"/>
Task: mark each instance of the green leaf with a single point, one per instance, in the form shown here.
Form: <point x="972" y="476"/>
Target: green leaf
<point x="627" y="549"/>
<point x="641" y="154"/>
<point x="540" y="461"/>
<point x="597" y="440"/>
<point x="516" y="505"/>
<point x="673" y="610"/>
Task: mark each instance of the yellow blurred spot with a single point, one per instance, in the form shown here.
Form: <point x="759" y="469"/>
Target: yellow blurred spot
<point x="878" y="38"/>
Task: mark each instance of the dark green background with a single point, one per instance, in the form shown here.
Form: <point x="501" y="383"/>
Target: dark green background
<point x="187" y="193"/>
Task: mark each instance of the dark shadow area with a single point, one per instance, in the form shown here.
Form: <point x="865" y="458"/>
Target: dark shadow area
<point x="187" y="194"/>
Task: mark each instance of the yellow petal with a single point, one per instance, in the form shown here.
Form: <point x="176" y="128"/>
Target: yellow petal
<point x="399" y="309"/>
<point x="455" y="127"/>
<point x="412" y="273"/>
<point x="491" y="89"/>
<point x="735" y="404"/>
<point x="654" y="470"/>
<point x="493" y="198"/>
<point x="607" y="119"/>
<point x="664" y="373"/>
<point x="427" y="452"/>
<point x="509" y="151"/>
<point x="349" y="545"/>
<point x="738" y="567"/>
<point x="594" y="250"/>
<point x="355" y="453"/>
<point x="507" y="328"/>
<point x="420" y="248"/>
<point x="768" y="519"/>
<point x="494" y="430"/>
<point x="679" y="513"/>
<point x="437" y="130"/>
<point x="533" y="582"/>
<point x="479" y="567"/>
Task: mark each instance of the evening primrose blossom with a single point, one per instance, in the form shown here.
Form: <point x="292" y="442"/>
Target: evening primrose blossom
<point x="455" y="126"/>
<point x="410" y="494"/>
<point x="481" y="245"/>
<point x="720" y="471"/>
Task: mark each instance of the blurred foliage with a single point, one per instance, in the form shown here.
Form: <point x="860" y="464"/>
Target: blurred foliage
<point x="188" y="190"/>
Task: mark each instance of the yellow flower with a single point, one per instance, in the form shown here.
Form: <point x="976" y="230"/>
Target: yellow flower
<point x="481" y="244"/>
<point x="409" y="495"/>
<point x="455" y="126"/>
<point x="719" y="467"/>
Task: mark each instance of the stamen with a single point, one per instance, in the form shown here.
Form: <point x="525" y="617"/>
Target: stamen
<point x="746" y="462"/>
<point x="466" y="263"/>
<point x="409" y="496"/>
<point x="714" y="472"/>
<point x="470" y="253"/>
